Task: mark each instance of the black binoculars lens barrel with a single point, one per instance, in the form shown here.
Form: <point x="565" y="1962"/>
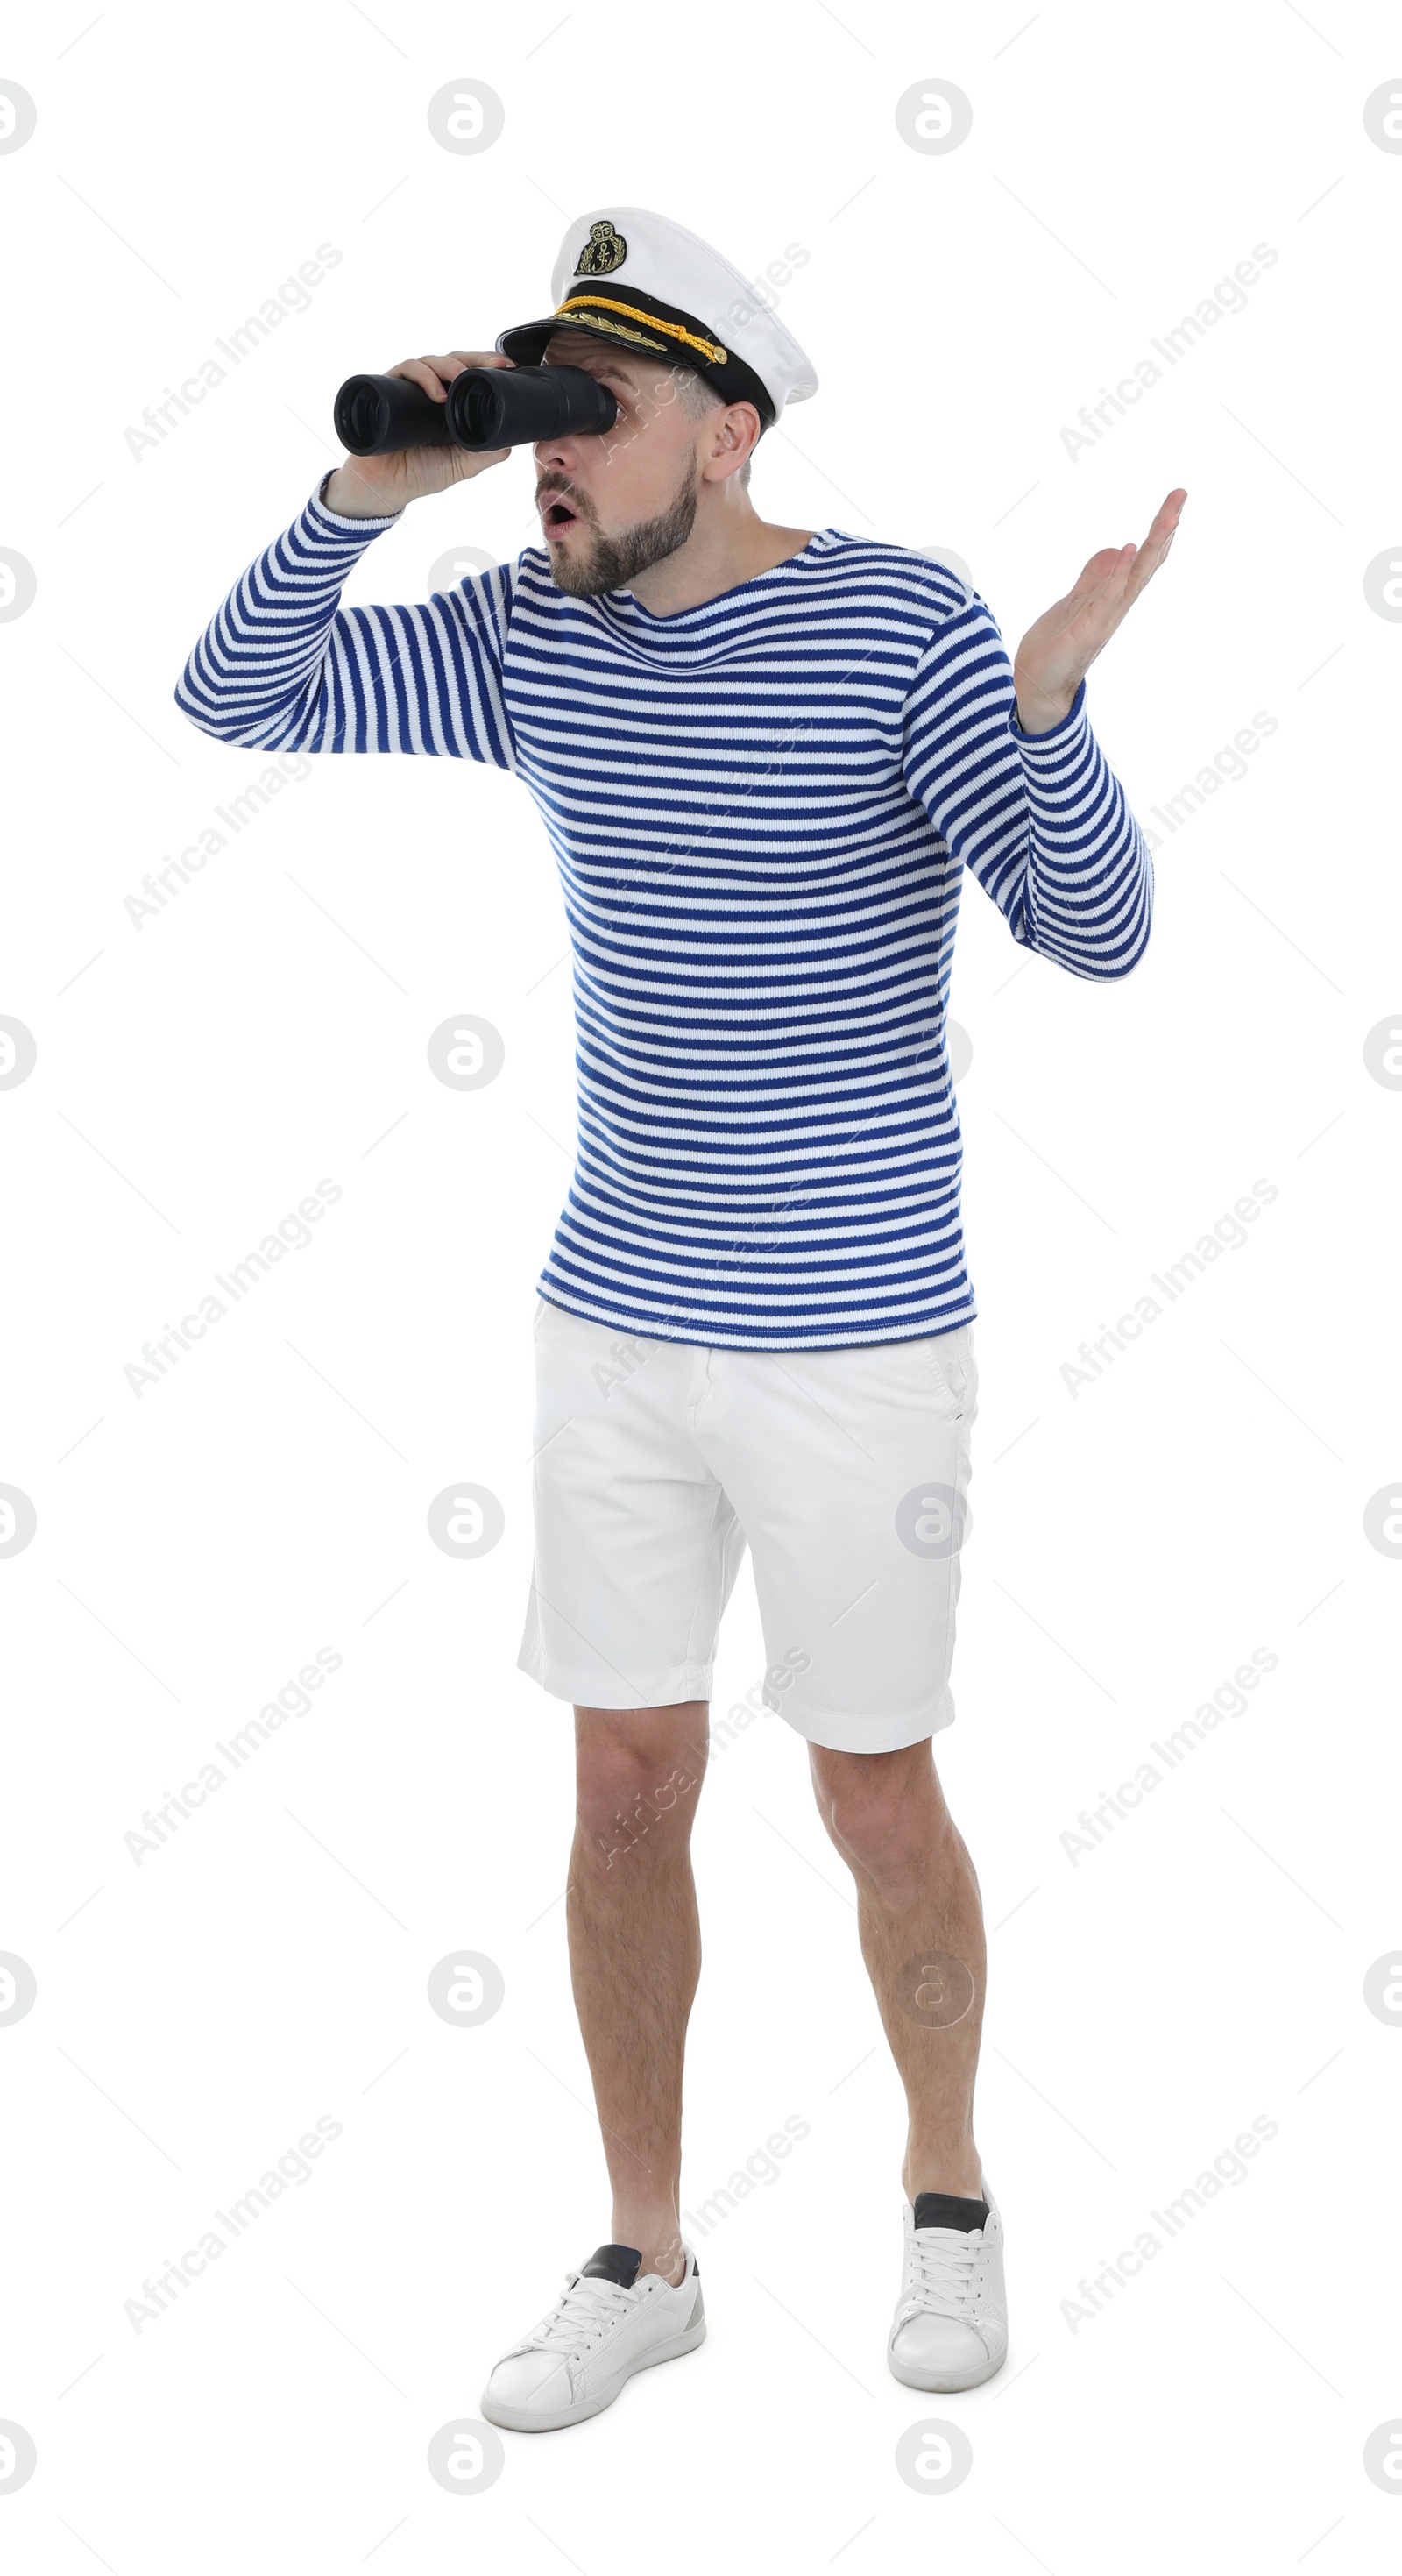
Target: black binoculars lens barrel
<point x="376" y="415"/>
<point x="515" y="406"/>
<point x="487" y="407"/>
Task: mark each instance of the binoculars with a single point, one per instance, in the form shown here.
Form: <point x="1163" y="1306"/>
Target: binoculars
<point x="487" y="407"/>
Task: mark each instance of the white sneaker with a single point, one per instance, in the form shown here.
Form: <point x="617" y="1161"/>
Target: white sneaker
<point x="607" y="2323"/>
<point x="950" y="2329"/>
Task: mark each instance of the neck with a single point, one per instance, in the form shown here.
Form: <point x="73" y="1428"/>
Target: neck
<point x="727" y="545"/>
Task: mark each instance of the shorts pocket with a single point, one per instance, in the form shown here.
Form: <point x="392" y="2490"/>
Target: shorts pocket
<point x="949" y="1361"/>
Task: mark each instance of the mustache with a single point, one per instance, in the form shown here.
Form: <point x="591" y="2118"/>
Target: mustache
<point x="548" y="485"/>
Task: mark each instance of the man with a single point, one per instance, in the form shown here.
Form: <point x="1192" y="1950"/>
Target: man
<point x="765" y="757"/>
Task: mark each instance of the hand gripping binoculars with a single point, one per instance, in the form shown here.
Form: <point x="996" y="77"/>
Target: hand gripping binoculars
<point x="487" y="407"/>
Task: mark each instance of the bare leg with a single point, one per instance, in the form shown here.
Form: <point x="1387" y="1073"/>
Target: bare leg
<point x="921" y="1925"/>
<point x="635" y="1952"/>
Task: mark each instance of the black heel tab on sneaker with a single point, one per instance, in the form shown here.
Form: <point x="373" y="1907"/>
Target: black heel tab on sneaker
<point x="942" y="2209"/>
<point x="613" y="2263"/>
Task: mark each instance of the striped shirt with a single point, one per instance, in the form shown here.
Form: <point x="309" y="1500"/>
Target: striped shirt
<point x="762" y="810"/>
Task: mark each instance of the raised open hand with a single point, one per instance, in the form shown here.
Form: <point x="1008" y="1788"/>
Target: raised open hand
<point x="1055" y="654"/>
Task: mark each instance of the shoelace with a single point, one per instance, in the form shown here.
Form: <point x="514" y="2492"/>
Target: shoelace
<point x="584" y="2311"/>
<point x="944" y="2261"/>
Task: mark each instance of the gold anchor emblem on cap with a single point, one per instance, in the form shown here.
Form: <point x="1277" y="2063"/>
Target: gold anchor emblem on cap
<point x="604" y="251"/>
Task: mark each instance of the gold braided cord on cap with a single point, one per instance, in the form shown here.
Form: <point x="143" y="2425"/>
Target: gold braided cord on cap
<point x="635" y="339"/>
<point x="588" y="303"/>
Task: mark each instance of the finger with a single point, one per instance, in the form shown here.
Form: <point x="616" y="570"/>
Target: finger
<point x="459" y="359"/>
<point x="1140" y="567"/>
<point x="1156" y="545"/>
<point x="1092" y="587"/>
<point x="1090" y="582"/>
<point x="1125" y="569"/>
<point x="1145" y="565"/>
<point x="1178" y="499"/>
<point x="454" y="363"/>
<point x="1097" y="601"/>
<point x="440" y="371"/>
<point x="1102" y="608"/>
<point x="1108" y="584"/>
<point x="1163" y="531"/>
<point x="423" y="373"/>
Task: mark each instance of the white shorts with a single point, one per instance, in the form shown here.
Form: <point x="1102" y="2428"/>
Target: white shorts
<point x="846" y="1472"/>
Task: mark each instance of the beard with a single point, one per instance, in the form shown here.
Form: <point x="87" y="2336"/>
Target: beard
<point x="612" y="562"/>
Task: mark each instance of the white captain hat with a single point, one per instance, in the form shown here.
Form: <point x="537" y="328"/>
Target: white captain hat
<point x="644" y="283"/>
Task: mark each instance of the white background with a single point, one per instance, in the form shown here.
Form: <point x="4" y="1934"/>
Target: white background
<point x="1133" y="1542"/>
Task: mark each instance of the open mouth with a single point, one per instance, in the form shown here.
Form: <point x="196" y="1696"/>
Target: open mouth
<point x="557" y="515"/>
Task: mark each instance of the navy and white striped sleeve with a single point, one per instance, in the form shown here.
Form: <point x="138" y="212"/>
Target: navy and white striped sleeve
<point x="1040" y="819"/>
<point x="283" y="667"/>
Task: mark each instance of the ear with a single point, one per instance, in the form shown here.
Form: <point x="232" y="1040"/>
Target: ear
<point x="732" y="436"/>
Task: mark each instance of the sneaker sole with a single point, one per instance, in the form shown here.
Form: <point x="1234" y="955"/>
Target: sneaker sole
<point x="950" y="2385"/>
<point x="520" y="2419"/>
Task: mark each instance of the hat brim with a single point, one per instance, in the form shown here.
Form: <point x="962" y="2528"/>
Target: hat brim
<point x="526" y="342"/>
<point x="679" y="341"/>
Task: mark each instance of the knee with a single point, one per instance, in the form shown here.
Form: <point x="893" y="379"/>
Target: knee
<point x="885" y="1830"/>
<point x="636" y="1786"/>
